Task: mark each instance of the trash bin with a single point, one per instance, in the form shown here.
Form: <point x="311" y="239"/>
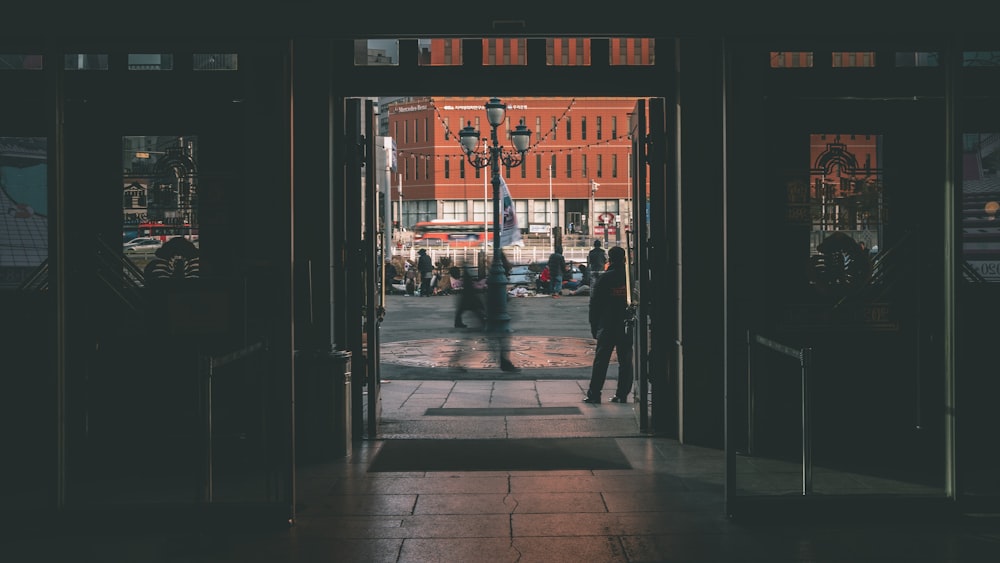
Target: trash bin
<point x="340" y="364"/>
<point x="322" y="405"/>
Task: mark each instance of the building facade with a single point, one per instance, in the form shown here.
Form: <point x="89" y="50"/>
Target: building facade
<point x="575" y="175"/>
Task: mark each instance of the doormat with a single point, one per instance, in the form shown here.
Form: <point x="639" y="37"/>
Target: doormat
<point x="502" y="411"/>
<point x="527" y="454"/>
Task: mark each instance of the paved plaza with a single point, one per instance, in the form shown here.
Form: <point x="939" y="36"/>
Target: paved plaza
<point x="550" y="339"/>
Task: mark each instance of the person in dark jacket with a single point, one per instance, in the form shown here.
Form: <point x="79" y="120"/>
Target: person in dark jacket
<point x="609" y="324"/>
<point x="426" y="268"/>
<point x="597" y="259"/>
<point x="556" y="266"/>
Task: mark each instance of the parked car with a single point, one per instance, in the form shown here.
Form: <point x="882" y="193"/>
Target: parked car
<point x="521" y="275"/>
<point x="142" y="244"/>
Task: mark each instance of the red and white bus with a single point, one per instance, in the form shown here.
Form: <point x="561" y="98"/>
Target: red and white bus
<point x="451" y="233"/>
<point x="166" y="231"/>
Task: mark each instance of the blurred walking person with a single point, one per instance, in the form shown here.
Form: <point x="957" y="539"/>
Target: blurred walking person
<point x="470" y="298"/>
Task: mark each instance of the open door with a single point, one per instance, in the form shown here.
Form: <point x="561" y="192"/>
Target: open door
<point x="363" y="265"/>
<point x="374" y="244"/>
<point x="653" y="267"/>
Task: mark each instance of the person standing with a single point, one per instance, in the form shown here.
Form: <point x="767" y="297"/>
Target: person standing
<point x="609" y="324"/>
<point x="389" y="274"/>
<point x="426" y="268"/>
<point x="597" y="259"/>
<point x="556" y="266"/>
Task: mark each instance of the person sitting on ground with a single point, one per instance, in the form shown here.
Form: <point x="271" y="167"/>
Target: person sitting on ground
<point x="543" y="283"/>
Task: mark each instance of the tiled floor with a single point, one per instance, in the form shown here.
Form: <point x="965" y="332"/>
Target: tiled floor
<point x="668" y="507"/>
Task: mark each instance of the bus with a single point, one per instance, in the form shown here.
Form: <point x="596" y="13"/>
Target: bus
<point x="451" y="233"/>
<point x="163" y="231"/>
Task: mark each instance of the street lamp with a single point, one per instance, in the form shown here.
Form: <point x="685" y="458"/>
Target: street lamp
<point x="497" y="318"/>
<point x="593" y="214"/>
<point x="552" y="241"/>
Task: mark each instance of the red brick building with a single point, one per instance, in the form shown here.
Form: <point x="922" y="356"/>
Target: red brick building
<point x="575" y="171"/>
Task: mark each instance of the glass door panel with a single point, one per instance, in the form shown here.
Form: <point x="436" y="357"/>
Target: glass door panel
<point x="978" y="298"/>
<point x="26" y="326"/>
<point x="175" y="404"/>
<point x="842" y="375"/>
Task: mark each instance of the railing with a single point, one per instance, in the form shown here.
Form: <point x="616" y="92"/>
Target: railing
<point x="516" y="255"/>
<point x="804" y="356"/>
<point x="120" y="275"/>
<point x="117" y="272"/>
<point x="38" y="280"/>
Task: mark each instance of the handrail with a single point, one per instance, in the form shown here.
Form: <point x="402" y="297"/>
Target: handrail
<point x="804" y="356"/>
<point x="38" y="280"/>
<point x="206" y="367"/>
<point x="120" y="275"/>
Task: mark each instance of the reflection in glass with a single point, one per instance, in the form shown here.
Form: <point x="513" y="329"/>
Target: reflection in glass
<point x="567" y="51"/>
<point x="980" y="207"/>
<point x="787" y="59"/>
<point x="845" y="189"/>
<point x="81" y="61"/>
<point x="852" y="59"/>
<point x="631" y="51"/>
<point x="159" y="193"/>
<point x="20" y="62"/>
<point x="215" y="61"/>
<point x="24" y="224"/>
<point x="376" y="52"/>
<point x="440" y="52"/>
<point x="150" y="61"/>
<point x="503" y="51"/>
<point x="981" y="58"/>
<point x="917" y="58"/>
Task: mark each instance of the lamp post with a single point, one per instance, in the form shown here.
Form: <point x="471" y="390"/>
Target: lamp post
<point x="552" y="242"/>
<point x="591" y="219"/>
<point x="497" y="318"/>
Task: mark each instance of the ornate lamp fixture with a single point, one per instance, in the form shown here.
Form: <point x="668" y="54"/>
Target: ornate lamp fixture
<point x="497" y="318"/>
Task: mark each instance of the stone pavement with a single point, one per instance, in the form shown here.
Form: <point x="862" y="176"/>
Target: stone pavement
<point x="550" y="339"/>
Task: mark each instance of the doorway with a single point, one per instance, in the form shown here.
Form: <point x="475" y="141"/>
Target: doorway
<point x="841" y="378"/>
<point x="535" y="344"/>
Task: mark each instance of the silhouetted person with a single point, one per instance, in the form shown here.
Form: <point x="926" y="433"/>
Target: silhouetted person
<point x="426" y="268"/>
<point x="177" y="259"/>
<point x="609" y="324"/>
<point x="597" y="259"/>
<point x="557" y="264"/>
